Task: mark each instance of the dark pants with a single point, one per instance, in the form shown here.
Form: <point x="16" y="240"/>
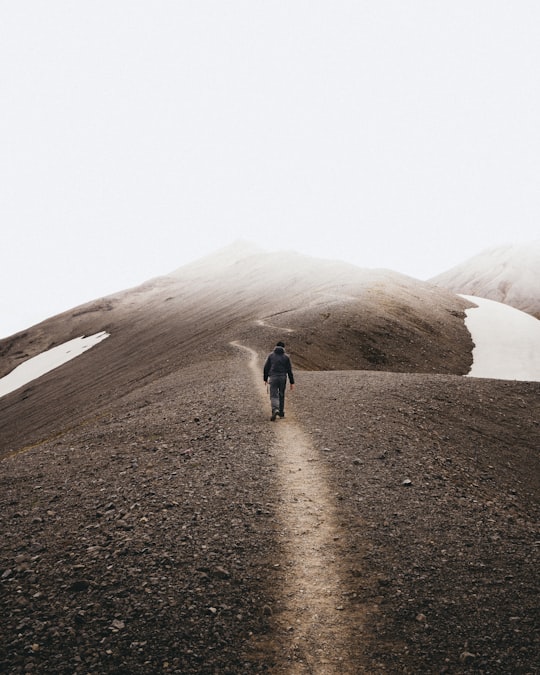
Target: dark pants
<point x="278" y="384"/>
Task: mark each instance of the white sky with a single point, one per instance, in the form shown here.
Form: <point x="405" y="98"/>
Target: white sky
<point x="137" y="136"/>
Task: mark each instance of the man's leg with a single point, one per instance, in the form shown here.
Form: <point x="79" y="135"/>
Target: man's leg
<point x="282" y="388"/>
<point x="274" y="396"/>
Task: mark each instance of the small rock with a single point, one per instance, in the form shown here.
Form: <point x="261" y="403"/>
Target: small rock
<point x="407" y="482"/>
<point x="80" y="618"/>
<point x="221" y="573"/>
<point x="123" y="525"/>
<point x="465" y="657"/>
<point x="421" y="618"/>
<point x="79" y="585"/>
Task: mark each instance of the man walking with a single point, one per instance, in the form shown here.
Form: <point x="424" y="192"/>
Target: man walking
<point x="276" y="369"/>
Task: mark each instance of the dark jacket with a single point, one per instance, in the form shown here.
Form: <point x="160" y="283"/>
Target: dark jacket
<point x="278" y="363"/>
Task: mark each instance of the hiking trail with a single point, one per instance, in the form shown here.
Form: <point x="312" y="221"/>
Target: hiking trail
<point x="314" y="621"/>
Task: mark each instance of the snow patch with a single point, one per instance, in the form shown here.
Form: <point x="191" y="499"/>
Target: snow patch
<point x="47" y="361"/>
<point x="507" y="341"/>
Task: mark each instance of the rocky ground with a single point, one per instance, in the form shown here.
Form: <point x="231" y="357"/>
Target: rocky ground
<point x="148" y="538"/>
<point x="437" y="478"/>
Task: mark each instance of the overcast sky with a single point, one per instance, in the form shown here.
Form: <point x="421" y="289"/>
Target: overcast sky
<point x="138" y="136"/>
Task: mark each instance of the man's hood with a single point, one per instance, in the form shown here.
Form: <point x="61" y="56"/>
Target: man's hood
<point x="279" y="350"/>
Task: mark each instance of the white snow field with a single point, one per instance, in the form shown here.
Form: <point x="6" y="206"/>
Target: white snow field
<point x="507" y="341"/>
<point x="47" y="361"/>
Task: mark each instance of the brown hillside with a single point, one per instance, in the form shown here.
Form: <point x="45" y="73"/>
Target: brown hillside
<point x="336" y="316"/>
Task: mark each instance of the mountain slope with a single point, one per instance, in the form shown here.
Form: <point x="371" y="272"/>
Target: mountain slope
<point x="332" y="315"/>
<point x="146" y="498"/>
<point x="152" y="537"/>
<point x="506" y="274"/>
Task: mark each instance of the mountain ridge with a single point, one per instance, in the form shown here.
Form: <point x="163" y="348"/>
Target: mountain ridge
<point x="506" y="274"/>
<point x="335" y="316"/>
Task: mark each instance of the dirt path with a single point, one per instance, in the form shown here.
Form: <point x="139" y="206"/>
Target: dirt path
<point x="314" y="621"/>
<point x="265" y="324"/>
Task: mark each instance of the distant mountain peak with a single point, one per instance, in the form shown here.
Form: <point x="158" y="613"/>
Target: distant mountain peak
<point x="241" y="248"/>
<point x="506" y="273"/>
<point x="227" y="256"/>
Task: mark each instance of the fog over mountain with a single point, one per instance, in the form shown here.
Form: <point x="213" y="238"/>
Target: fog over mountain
<point x="154" y="519"/>
<point x="508" y="274"/>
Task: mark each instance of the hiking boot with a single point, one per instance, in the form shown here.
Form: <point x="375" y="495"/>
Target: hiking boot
<point x="281" y="414"/>
<point x="274" y="415"/>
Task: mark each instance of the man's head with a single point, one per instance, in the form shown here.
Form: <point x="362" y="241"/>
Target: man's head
<point x="280" y="344"/>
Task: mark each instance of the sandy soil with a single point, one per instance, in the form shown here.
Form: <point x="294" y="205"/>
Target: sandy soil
<point x="182" y="531"/>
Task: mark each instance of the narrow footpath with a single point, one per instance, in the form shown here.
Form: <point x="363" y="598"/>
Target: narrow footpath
<point x="313" y="622"/>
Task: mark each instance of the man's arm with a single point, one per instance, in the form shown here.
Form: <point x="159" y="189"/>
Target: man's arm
<point x="266" y="369"/>
<point x="290" y="373"/>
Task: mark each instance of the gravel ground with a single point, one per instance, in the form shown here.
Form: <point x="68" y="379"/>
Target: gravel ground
<point x="148" y="539"/>
<point x="139" y="543"/>
<point x="437" y="478"/>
